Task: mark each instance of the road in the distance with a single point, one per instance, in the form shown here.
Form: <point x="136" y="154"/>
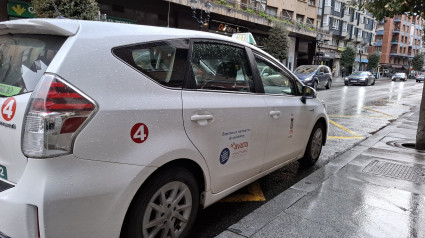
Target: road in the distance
<point x="355" y="112"/>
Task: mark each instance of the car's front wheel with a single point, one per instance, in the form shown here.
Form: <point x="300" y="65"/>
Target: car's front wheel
<point x="166" y="206"/>
<point x="315" y="85"/>
<point x="314" y="146"/>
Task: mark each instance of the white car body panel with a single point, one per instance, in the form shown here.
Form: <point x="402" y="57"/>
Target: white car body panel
<point x="87" y="193"/>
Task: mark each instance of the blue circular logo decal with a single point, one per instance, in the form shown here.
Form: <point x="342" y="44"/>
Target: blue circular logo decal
<point x="224" y="156"/>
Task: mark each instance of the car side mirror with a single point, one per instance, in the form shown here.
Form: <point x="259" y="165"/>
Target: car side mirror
<point x="308" y="93"/>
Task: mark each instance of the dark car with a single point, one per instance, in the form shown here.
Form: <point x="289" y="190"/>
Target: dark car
<point x="360" y="77"/>
<point x="315" y="75"/>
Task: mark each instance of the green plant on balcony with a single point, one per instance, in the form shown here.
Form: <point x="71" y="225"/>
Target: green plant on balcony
<point x="222" y="2"/>
<point x="252" y="11"/>
<point x="285" y="21"/>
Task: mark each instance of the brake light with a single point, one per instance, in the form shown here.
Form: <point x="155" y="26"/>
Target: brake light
<point x="56" y="113"/>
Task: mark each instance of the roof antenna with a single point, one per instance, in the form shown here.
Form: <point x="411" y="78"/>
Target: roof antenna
<point x="57" y="11"/>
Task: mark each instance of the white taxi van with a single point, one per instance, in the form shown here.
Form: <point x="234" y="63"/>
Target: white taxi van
<point x="113" y="130"/>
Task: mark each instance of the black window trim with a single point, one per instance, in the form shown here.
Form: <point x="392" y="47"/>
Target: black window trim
<point x="163" y="41"/>
<point x="283" y="69"/>
<point x="190" y="84"/>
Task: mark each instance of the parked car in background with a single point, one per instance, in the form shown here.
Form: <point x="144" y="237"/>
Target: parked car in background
<point x="121" y="130"/>
<point x="315" y="75"/>
<point x="360" y="78"/>
<point x="420" y="77"/>
<point x="399" y="76"/>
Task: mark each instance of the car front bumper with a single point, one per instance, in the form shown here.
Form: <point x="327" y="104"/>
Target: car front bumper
<point x="69" y="197"/>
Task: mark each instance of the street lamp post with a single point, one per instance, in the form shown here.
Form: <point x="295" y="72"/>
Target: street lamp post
<point x="360" y="59"/>
<point x="201" y="19"/>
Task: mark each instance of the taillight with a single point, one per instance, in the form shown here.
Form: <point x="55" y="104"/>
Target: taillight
<point x="56" y="112"/>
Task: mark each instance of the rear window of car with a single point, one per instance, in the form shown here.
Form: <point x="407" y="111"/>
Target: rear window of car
<point x="24" y="59"/>
<point x="305" y="69"/>
<point x="164" y="61"/>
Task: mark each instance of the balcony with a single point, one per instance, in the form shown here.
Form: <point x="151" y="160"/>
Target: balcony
<point x="380" y="33"/>
<point x="393" y="54"/>
<point x="396" y="31"/>
<point x="378" y="43"/>
<point x="397" y="19"/>
<point x="394" y="42"/>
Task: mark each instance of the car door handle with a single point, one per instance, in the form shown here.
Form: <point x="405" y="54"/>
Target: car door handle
<point x="202" y="120"/>
<point x="275" y="114"/>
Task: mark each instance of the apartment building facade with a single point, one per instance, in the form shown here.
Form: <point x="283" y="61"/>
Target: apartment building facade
<point x="349" y="27"/>
<point x="399" y="39"/>
<point x="226" y="17"/>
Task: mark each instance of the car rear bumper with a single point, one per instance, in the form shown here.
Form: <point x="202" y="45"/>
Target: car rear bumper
<point x="69" y="197"/>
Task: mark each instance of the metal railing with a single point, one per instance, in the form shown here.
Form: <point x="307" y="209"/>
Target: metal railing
<point x="258" y="10"/>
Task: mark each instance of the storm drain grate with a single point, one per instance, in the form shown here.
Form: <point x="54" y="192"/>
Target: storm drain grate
<point x="410" y="173"/>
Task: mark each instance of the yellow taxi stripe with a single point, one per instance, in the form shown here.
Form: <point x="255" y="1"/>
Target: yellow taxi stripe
<point x="356" y="116"/>
<point x="388" y="115"/>
<point x="345" y="129"/>
<point x="255" y="195"/>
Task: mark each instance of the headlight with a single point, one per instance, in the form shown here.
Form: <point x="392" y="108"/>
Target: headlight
<point x="346" y="79"/>
<point x="363" y="79"/>
<point x="307" y="79"/>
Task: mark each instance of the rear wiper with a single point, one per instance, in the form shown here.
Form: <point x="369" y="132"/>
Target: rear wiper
<point x="8" y="90"/>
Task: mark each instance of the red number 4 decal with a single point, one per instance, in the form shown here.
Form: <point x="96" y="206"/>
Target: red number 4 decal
<point x="139" y="133"/>
<point x="8" y="109"/>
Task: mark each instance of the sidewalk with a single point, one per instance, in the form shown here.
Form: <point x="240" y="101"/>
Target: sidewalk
<point x="376" y="189"/>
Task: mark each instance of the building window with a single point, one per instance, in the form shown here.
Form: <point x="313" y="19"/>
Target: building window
<point x="259" y="4"/>
<point x="300" y="18"/>
<point x="312" y="3"/>
<point x="271" y="11"/>
<point x="287" y="14"/>
<point x="326" y="20"/>
<point x="337" y="6"/>
<point x="347" y="10"/>
<point x="328" y="3"/>
<point x="361" y="18"/>
<point x="310" y="21"/>
<point x="359" y="33"/>
<point x="336" y="24"/>
<point x="344" y="26"/>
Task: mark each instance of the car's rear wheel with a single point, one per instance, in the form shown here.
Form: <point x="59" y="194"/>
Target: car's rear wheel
<point x="314" y="146"/>
<point x="165" y="207"/>
<point x="329" y="84"/>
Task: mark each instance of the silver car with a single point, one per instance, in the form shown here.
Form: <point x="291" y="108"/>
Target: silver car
<point x="361" y="78"/>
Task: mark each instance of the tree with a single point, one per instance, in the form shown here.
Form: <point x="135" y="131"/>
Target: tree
<point x="389" y="8"/>
<point x="348" y="57"/>
<point x="78" y="9"/>
<point x="373" y="60"/>
<point x="278" y="42"/>
<point x="418" y="62"/>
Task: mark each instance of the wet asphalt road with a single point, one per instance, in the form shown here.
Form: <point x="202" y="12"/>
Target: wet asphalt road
<point x="355" y="113"/>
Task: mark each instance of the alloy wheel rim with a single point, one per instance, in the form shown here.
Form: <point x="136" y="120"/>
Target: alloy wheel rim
<point x="168" y="211"/>
<point x="316" y="143"/>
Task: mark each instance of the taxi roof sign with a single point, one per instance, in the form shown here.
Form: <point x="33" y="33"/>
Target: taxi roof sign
<point x="245" y="37"/>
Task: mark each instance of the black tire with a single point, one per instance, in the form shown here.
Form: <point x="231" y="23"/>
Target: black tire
<point x="175" y="215"/>
<point x="329" y="84"/>
<point x="346" y="84"/>
<point x="314" y="146"/>
<point x="373" y="83"/>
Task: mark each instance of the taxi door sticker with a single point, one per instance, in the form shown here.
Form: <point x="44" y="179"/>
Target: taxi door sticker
<point x="291" y="126"/>
<point x="139" y="133"/>
<point x="234" y="144"/>
<point x="8" y="109"/>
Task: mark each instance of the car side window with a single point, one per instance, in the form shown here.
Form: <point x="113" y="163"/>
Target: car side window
<point x="221" y="67"/>
<point x="163" y="61"/>
<point x="275" y="81"/>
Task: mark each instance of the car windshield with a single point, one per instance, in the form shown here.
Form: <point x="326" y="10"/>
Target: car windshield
<point x="399" y="74"/>
<point x="24" y="59"/>
<point x="305" y="69"/>
<point x="359" y="73"/>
